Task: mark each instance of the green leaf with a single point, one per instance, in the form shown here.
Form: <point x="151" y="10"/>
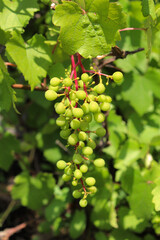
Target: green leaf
<point x="78" y="224"/>
<point x="86" y="31"/>
<point x="148" y="8"/>
<point x="4" y="36"/>
<point x="8" y="146"/>
<point x="153" y="80"/>
<point x="140" y="199"/>
<point x="156" y="197"/>
<point x="100" y="235"/>
<point x="7" y="94"/>
<point x="33" y="58"/>
<point x="16" y="14"/>
<point x="34" y="192"/>
<point x="123" y="235"/>
<point x="137" y="84"/>
<point x="53" y="154"/>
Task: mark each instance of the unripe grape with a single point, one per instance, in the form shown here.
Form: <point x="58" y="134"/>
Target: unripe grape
<point x="68" y="113"/>
<point x="83" y="168"/>
<point x="99" y="117"/>
<point x="74" y="183"/>
<point x="60" y="108"/>
<point x="80" y="83"/>
<point x="53" y="88"/>
<point x="68" y="171"/>
<point x="61" y="164"/>
<point x="90" y="181"/>
<point x="92" y="189"/>
<point x="101" y="98"/>
<point x="72" y="96"/>
<point x="67" y="82"/>
<point x="93" y="106"/>
<point x="50" y="95"/>
<point x="100" y="88"/>
<point x="66" y="102"/>
<point x="82" y="136"/>
<point x="81" y="144"/>
<point x="77" y="112"/>
<point x="84" y="125"/>
<point x="77" y="158"/>
<point x="73" y="103"/>
<point x="85" y="77"/>
<point x="85" y="108"/>
<point x="87" y="150"/>
<point x="100" y="132"/>
<point x="117" y="77"/>
<point x="55" y="81"/>
<point x="81" y="94"/>
<point x="76" y="194"/>
<point x="108" y="99"/>
<point x="91" y="143"/>
<point x="65" y="133"/>
<point x="91" y="97"/>
<point x="77" y="174"/>
<point x="66" y="178"/>
<point x="60" y="121"/>
<point x="105" y="106"/>
<point x="87" y="117"/>
<point x="99" y="162"/>
<point x="83" y="203"/>
<point x="72" y="139"/>
<point x="75" y="123"/>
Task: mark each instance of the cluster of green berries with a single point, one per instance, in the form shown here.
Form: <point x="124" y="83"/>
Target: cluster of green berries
<point x="81" y="101"/>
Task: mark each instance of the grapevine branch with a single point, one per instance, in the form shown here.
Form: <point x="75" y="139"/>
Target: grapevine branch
<point x="28" y="87"/>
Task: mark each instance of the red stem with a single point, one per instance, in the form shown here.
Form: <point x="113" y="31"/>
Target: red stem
<point x="27" y="87"/>
<point x="10" y="64"/>
<point x="130" y="29"/>
<point x="74" y="71"/>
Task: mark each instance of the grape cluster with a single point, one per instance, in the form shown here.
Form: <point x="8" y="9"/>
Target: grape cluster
<point x="81" y="101"/>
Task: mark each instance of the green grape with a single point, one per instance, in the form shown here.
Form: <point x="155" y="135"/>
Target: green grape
<point x="82" y="136"/>
<point x="99" y="117"/>
<point x="74" y="183"/>
<point x="55" y="81"/>
<point x="65" y="133"/>
<point x="76" y="194"/>
<point x="91" y="143"/>
<point x="72" y="139"/>
<point x="83" y="168"/>
<point x="108" y="99"/>
<point x="87" y="117"/>
<point x="75" y="123"/>
<point x="66" y="126"/>
<point x="100" y="132"/>
<point x="93" y="107"/>
<point x="60" y="108"/>
<point x="77" y="174"/>
<point x="66" y="178"/>
<point x="85" y="108"/>
<point x="68" y="171"/>
<point x="87" y="150"/>
<point x="85" y="77"/>
<point x="84" y="125"/>
<point x="105" y="106"/>
<point x="80" y="83"/>
<point x="117" y="77"/>
<point x="90" y="181"/>
<point x="61" y="164"/>
<point x="66" y="102"/>
<point x="50" y="95"/>
<point x="83" y="203"/>
<point x="61" y="121"/>
<point x="99" y="162"/>
<point x="100" y="88"/>
<point x="73" y="103"/>
<point x="91" y="97"/>
<point x="72" y="96"/>
<point x="68" y="113"/>
<point x="81" y="144"/>
<point x="77" y="158"/>
<point x="92" y="189"/>
<point x="77" y="112"/>
<point x="101" y="98"/>
<point x="81" y="95"/>
<point x="67" y="82"/>
<point x="53" y="88"/>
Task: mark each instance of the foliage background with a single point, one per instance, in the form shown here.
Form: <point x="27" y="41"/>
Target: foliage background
<point x="31" y="190"/>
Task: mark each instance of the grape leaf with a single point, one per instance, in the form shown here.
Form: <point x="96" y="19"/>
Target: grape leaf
<point x="7" y="94"/>
<point x="148" y="8"/>
<point x="86" y="30"/>
<point x="16" y="14"/>
<point x="33" y="58"/>
<point x="33" y="191"/>
<point x="156" y="197"/>
<point x="4" y="36"/>
<point x="78" y="224"/>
